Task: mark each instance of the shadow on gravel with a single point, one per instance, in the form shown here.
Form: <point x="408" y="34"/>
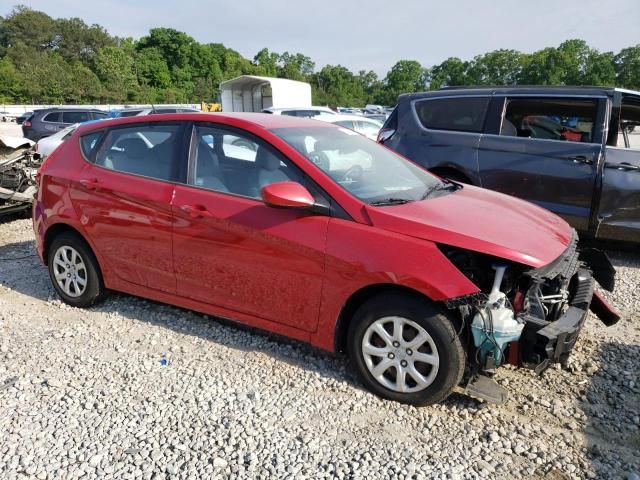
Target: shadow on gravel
<point x="612" y="407"/>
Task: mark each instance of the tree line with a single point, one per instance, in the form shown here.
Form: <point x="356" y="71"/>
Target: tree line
<point x="64" y="60"/>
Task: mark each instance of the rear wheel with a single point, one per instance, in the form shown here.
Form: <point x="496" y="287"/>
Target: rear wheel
<point x="405" y="349"/>
<point x="74" y="270"/>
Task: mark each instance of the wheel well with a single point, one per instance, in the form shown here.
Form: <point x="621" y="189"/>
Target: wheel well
<point x="358" y="299"/>
<point x="53" y="232"/>
<point x="452" y="173"/>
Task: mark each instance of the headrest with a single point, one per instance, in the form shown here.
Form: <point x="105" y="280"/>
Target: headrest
<point x="134" y="147"/>
<point x="267" y="160"/>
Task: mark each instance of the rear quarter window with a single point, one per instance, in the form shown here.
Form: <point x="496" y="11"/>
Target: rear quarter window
<point x="88" y="144"/>
<point x="464" y="114"/>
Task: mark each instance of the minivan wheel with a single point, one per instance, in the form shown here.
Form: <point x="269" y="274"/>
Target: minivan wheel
<point x="405" y="349"/>
<point x="74" y="270"/>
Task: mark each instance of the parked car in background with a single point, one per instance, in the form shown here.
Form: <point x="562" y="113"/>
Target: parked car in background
<point x="45" y="146"/>
<point x="134" y="112"/>
<point x="558" y="147"/>
<point x="364" y="126"/>
<point x="48" y="121"/>
<point x="21" y="118"/>
<point x="305" y="112"/>
<point x="418" y="279"/>
<point x="380" y="117"/>
<point x="6" y="116"/>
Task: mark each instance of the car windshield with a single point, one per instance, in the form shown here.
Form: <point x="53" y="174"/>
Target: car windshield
<point x="369" y="171"/>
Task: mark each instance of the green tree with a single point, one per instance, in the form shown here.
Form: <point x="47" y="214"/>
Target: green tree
<point x="544" y="67"/>
<point x="266" y="62"/>
<point x="404" y="77"/>
<point x="114" y="68"/>
<point x="451" y="72"/>
<point x="9" y="81"/>
<point x="627" y="67"/>
<point x="500" y="67"/>
<point x="152" y="69"/>
<point x="295" y="66"/>
<point x="75" y="40"/>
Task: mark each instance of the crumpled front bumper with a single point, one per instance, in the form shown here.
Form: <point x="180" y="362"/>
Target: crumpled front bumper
<point x="543" y="343"/>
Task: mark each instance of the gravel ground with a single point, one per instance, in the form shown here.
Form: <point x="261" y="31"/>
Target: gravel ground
<point x="136" y="389"/>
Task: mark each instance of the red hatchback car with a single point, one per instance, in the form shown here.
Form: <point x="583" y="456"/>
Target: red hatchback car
<point x="314" y="232"/>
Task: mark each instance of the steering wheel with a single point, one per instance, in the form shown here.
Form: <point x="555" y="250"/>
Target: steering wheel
<point x="320" y="160"/>
<point x="353" y="174"/>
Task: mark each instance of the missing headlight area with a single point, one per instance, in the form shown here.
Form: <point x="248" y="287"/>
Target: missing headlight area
<point x="523" y="316"/>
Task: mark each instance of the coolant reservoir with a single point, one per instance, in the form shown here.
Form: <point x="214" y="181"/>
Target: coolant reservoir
<point x="495" y="325"/>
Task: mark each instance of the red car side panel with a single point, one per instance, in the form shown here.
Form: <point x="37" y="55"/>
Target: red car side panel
<point x="128" y="219"/>
<point x="359" y="255"/>
<point x="241" y="255"/>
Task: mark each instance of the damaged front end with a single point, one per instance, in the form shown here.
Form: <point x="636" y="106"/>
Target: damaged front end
<point x="527" y="317"/>
<point x="18" y="168"/>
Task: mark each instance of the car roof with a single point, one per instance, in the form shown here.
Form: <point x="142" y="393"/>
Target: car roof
<point x="520" y="89"/>
<point x="264" y="120"/>
<point x="68" y="109"/>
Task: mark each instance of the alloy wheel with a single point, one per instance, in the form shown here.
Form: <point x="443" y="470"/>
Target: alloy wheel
<point x="400" y="354"/>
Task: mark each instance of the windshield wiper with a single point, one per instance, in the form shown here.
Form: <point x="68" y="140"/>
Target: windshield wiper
<point x="390" y="201"/>
<point x="439" y="187"/>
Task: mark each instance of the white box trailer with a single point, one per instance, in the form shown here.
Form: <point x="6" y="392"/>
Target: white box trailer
<point x="249" y="93"/>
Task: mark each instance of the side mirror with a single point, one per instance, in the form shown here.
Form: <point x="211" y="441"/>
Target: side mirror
<point x="287" y="195"/>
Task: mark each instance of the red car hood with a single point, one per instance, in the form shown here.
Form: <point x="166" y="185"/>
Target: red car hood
<point x="482" y="221"/>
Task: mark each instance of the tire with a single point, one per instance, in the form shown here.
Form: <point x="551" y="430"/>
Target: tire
<point x="439" y="359"/>
<point x="71" y="258"/>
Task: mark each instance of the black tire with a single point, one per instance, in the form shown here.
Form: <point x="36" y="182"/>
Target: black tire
<point x="434" y="322"/>
<point x="94" y="289"/>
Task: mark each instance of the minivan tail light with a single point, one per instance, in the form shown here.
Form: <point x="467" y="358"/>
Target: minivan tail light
<point x="26" y="123"/>
<point x="385" y="134"/>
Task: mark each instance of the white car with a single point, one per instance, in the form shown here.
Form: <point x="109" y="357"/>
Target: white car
<point x="45" y="146"/>
<point x="363" y="125"/>
<point x="307" y="112"/>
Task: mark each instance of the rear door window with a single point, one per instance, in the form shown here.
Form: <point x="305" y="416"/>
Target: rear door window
<point x="460" y="114"/>
<point x="565" y="120"/>
<point x="147" y="150"/>
<point x="52" y="117"/>
<point x="99" y="115"/>
<point x="75" y="117"/>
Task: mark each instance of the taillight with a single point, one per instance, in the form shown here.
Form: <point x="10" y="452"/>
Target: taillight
<point x="385" y="134"/>
<point x="26" y="123"/>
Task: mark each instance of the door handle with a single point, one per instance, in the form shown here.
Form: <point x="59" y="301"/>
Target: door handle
<point x="196" y="211"/>
<point x="90" y="184"/>
<point x="581" y="159"/>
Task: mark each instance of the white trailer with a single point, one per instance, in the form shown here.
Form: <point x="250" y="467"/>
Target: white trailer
<point x="249" y="93"/>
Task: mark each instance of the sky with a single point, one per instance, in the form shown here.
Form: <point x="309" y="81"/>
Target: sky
<point x="366" y="35"/>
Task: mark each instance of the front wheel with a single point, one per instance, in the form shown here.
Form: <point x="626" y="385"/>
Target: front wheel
<point x="404" y="349"/>
<point x="74" y="270"/>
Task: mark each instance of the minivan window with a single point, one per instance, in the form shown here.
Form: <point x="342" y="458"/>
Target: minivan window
<point x="559" y="119"/>
<point x="75" y="117"/>
<point x="460" y="114"/>
<point x="629" y="123"/>
<point x="146" y="150"/>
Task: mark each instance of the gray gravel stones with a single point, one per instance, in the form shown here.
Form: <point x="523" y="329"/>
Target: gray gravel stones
<point x="83" y="394"/>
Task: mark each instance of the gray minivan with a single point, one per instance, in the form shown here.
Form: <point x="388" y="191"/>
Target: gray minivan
<point x="571" y="150"/>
